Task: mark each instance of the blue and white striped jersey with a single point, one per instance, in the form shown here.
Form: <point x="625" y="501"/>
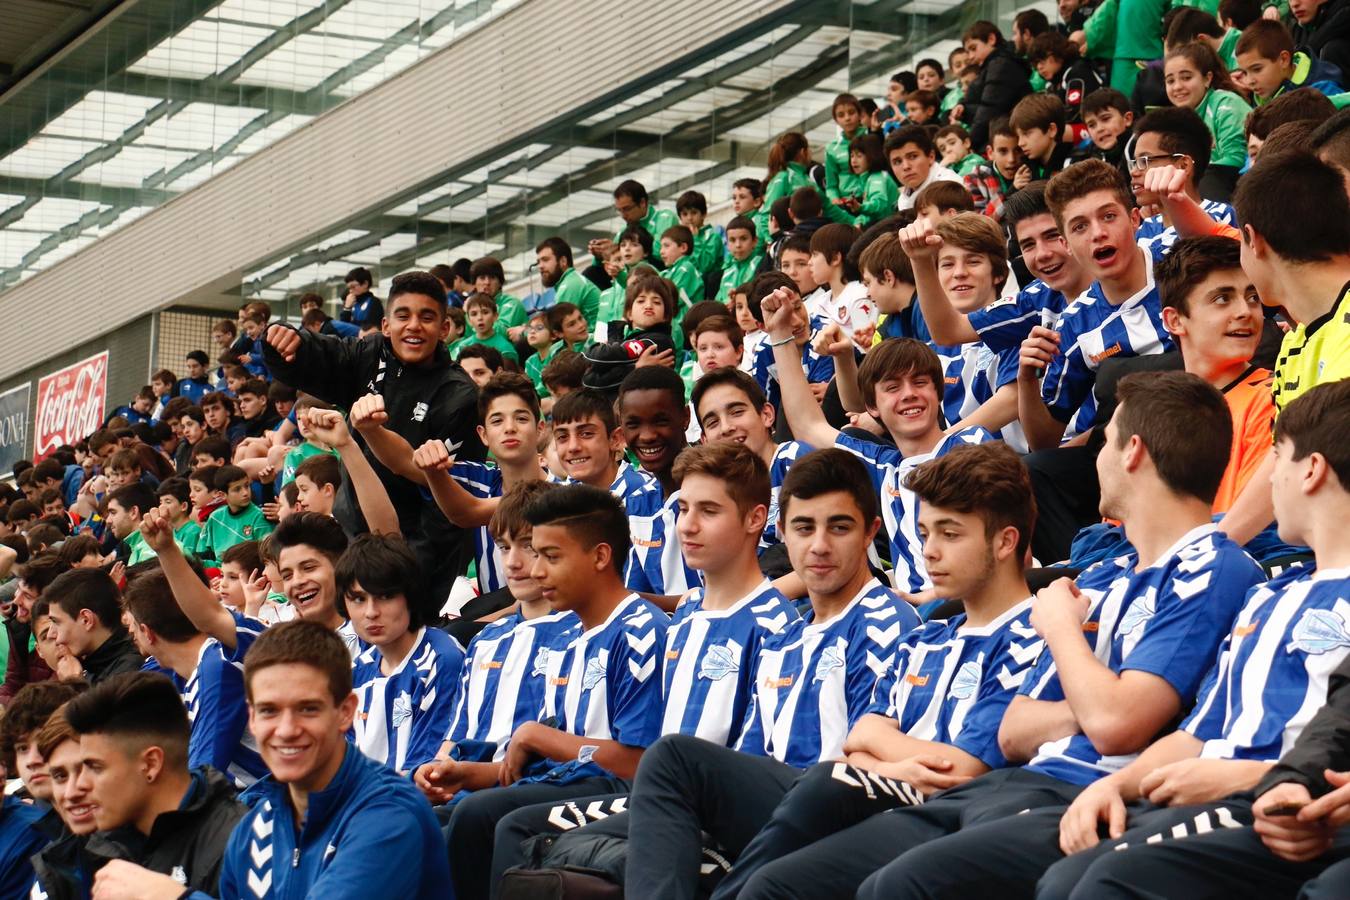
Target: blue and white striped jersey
<point x="657" y="564"/>
<point x="899" y="506"/>
<point x="971" y="373"/>
<point x="814" y="680"/>
<point x="1091" y="330"/>
<point x="217" y="708"/>
<point x="483" y="481"/>
<point x="1005" y="324"/>
<point x="402" y="717"/>
<point x="1159" y="238"/>
<point x="1166" y="619"/>
<point x="1273" y="672"/>
<point x="818" y="368"/>
<point x="951" y="682"/>
<point x="708" y="673"/>
<point x="504" y="676"/>
<point x="644" y="503"/>
<point x="784" y="456"/>
<point x="607" y="683"/>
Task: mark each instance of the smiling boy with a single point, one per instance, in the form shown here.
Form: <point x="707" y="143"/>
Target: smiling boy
<point x="325" y="801"/>
<point x="1119" y="313"/>
<point x="425" y="395"/>
<point x="407" y="678"/>
<point x="603" y="694"/>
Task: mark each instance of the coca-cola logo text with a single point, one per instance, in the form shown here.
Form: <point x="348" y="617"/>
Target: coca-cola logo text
<point x="70" y="404"/>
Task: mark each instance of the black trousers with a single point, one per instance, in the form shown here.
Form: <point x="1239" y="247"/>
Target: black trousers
<point x="473" y="824"/>
<point x="1145" y="824"/>
<point x="684" y="787"/>
<point x="554" y="817"/>
<point x="1064" y="481"/>
<point x="830" y="797"/>
<point x="1213" y="864"/>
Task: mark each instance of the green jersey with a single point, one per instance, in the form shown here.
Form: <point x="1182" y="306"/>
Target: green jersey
<point x="840" y="182"/>
<point x="510" y="311"/>
<point x="187" y="535"/>
<point x="880" y="193"/>
<point x="969" y="163"/>
<point x="656" y="221"/>
<point x="581" y="292"/>
<point x="496" y="339"/>
<point x="707" y="255"/>
<point x="224" y="529"/>
<point x="1228" y="48"/>
<point x="736" y="272"/>
<point x="1226" y="114"/>
<point x="784" y="183"/>
<point x="687" y="281"/>
<point x="296" y="455"/>
<point x="138" y="551"/>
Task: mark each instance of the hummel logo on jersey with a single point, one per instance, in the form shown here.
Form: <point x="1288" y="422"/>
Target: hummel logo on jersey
<point x="719" y="661"/>
<point x="1319" y="631"/>
<point x="1105" y="354"/>
<point x="419" y="412"/>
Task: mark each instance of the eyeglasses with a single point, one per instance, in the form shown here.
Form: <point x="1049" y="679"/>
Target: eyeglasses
<point x="1143" y="162"/>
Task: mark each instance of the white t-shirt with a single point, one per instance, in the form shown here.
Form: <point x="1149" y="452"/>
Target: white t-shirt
<point x="938" y="172"/>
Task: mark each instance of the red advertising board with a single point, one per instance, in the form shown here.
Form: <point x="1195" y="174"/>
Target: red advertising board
<point x="70" y="404"/>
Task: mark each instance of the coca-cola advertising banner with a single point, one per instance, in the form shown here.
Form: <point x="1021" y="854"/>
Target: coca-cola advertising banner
<point x="14" y="425"/>
<point x="70" y="404"/>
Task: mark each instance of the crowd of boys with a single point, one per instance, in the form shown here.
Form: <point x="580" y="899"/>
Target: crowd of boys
<point x="929" y="529"/>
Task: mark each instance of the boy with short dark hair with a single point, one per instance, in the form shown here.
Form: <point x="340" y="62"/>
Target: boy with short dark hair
<point x="992" y="183"/>
<point x="957" y="154"/>
<point x="718" y="344"/>
<point x="1038" y="120"/>
<point x="900" y="383"/>
<point x="175" y="503"/>
<point x="1273" y="66"/>
<point x="1002" y="79"/>
<point x="317" y="480"/>
<point x="508" y="417"/>
<point x="811" y="682"/>
<point x="747" y="199"/>
<point x="1119" y="313"/>
<point x="480" y="310"/>
<point x="841" y="298"/>
<point x="407" y="677"/>
<point x="692" y="208"/>
<point x="677" y="243"/>
<point x="913" y="161"/>
<point x="950" y="684"/>
<point x="1126" y="650"/>
<point x="1281" y="836"/>
<point x="86" y="616"/>
<point x="480" y="362"/>
<point x="418" y="393"/>
<point x="742" y="258"/>
<point x="563" y="375"/>
<point x="359" y="306"/>
<point x="1108" y="117"/>
<point x="1213" y="312"/>
<point x="374" y="828"/>
<point x="237" y="520"/>
<point x="819" y="368"/>
<point x="207" y="675"/>
<point x="503" y="679"/>
<point x="1178" y="137"/>
<point x="488" y="277"/>
<point x="124" y="508"/>
<point x="160" y="825"/>
<point x="603" y="692"/>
